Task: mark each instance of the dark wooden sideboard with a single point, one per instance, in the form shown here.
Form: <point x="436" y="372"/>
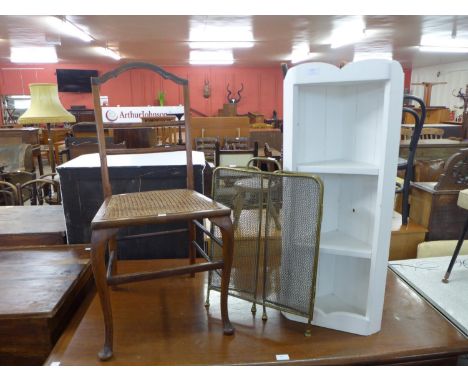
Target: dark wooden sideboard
<point x="82" y="196"/>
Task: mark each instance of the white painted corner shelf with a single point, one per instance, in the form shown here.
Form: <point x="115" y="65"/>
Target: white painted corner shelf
<point x="344" y="126"/>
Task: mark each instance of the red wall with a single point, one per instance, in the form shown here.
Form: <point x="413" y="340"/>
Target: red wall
<point x="407" y="73"/>
<point x="263" y="86"/>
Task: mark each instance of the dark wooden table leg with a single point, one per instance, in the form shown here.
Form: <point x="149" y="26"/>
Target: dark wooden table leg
<point x="37" y="154"/>
<point x="227" y="233"/>
<point x="99" y="239"/>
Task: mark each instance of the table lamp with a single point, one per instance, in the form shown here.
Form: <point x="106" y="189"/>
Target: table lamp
<point x="46" y="108"/>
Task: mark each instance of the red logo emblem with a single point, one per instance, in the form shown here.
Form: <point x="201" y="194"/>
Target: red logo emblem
<point x="111" y="115"/>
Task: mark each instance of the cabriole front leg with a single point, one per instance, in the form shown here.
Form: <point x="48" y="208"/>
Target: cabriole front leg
<point x="99" y="239"/>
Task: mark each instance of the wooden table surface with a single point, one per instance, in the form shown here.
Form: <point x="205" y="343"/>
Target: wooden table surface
<point x="164" y="322"/>
<point x="435" y="142"/>
<point x="32" y="225"/>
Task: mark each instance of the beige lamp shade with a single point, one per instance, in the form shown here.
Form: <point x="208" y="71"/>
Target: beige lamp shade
<point x="45" y="106"/>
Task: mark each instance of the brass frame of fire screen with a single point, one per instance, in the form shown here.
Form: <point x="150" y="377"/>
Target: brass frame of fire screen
<point x="277" y="218"/>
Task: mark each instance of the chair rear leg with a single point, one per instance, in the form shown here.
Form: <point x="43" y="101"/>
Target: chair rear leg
<point x="112" y="246"/>
<point x="192" y="238"/>
<point x="227" y="233"/>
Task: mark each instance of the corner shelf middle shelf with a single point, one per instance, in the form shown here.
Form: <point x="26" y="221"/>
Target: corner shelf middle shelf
<point x="339" y="166"/>
<point x="339" y="243"/>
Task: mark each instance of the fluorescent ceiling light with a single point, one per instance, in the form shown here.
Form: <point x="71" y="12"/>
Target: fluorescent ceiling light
<point x="360" y="56"/>
<point x="221" y="33"/>
<point x="33" y="54"/>
<point x="211" y="57"/>
<point x="348" y="32"/>
<point x="444" y="49"/>
<point x="443" y="40"/>
<point x="108" y="52"/>
<point x="220" y="44"/>
<point x="443" y="43"/>
<point x="301" y="52"/>
<point x="65" y="26"/>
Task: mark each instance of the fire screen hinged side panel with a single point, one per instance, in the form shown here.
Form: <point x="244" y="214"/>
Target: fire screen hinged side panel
<point x="277" y="218"/>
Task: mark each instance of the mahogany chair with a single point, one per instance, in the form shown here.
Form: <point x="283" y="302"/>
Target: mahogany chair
<point x="164" y="134"/>
<point x="236" y="157"/>
<point x="208" y="146"/>
<point x="236" y="143"/>
<point x="153" y="207"/>
<point x="256" y="187"/>
<point x="406" y="133"/>
<point x="431" y="133"/>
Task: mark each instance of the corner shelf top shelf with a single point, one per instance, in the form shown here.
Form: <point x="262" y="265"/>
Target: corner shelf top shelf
<point x="354" y="73"/>
<point x="339" y="243"/>
<point x="339" y="166"/>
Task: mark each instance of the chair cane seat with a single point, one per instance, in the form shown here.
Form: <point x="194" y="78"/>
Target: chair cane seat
<point x="463" y="199"/>
<point x="156" y="206"/>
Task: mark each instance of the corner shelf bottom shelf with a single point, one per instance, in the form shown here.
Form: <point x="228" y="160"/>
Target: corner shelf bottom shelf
<point x="331" y="304"/>
<point x="331" y="311"/>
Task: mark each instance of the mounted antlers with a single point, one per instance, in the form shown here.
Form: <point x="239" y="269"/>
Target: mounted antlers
<point x="207" y="89"/>
<point x="234" y="99"/>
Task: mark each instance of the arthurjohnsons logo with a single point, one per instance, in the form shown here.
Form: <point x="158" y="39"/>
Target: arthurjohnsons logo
<point x="113" y="116"/>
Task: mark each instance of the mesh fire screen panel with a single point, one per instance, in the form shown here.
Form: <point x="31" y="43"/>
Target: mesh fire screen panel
<point x="276" y="217"/>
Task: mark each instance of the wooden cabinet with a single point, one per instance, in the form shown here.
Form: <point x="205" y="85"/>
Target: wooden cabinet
<point x="344" y="125"/>
<point x="433" y="115"/>
<point x="83" y="115"/>
<point x="20" y="135"/>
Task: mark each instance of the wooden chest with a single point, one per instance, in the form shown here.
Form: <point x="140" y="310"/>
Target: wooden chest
<point x="40" y="288"/>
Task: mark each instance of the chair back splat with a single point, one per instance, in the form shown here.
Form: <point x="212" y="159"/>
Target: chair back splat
<point x="96" y="82"/>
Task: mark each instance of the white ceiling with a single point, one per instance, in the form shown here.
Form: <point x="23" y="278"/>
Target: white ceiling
<point x="163" y="40"/>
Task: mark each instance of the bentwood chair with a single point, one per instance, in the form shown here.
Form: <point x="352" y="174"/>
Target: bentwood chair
<point x="432" y="133"/>
<point x="44" y="189"/>
<point x="153" y="207"/>
<point x="8" y="194"/>
<point x="418" y="124"/>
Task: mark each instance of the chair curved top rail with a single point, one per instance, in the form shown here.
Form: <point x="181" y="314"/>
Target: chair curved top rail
<point x="418" y="124"/>
<point x="137" y="65"/>
<point x="417" y="128"/>
<point x="422" y="105"/>
<point x="265" y="160"/>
